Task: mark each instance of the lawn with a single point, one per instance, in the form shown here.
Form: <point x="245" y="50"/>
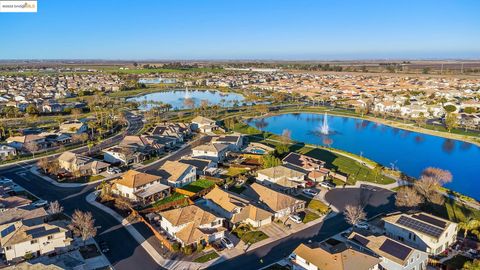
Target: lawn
<point x="198" y="185"/>
<point x="457" y="212"/>
<point x="237" y="189"/>
<point x="318" y="206"/>
<point x="345" y="165"/>
<point x="247" y="235"/>
<point x="309" y="216"/>
<point x="207" y="257"/>
<point x="232" y="171"/>
<point x="175" y="196"/>
<point x="83" y="179"/>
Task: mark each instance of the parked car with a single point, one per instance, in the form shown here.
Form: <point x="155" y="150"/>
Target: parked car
<point x="113" y="170"/>
<point x="295" y="218"/>
<point x="362" y="225"/>
<point x="40" y="203"/>
<point x="4" y="180"/>
<point x="327" y="184"/>
<point x="104" y="247"/>
<point x="310" y="192"/>
<point x="226" y="243"/>
<point x="310" y="184"/>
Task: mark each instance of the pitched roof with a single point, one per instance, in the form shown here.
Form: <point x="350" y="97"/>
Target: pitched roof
<point x="281" y="172"/>
<point x="173" y="170"/>
<point x="347" y="259"/>
<point x="193" y="217"/>
<point x="303" y="161"/>
<point x="203" y="120"/>
<point x="22" y="232"/>
<point x="276" y="201"/>
<point x="211" y="147"/>
<point x="421" y="223"/>
<point x="21" y="213"/>
<point x="226" y="200"/>
<point x="134" y="179"/>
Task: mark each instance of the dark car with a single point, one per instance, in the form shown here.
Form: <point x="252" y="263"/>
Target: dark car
<point x="104" y="247"/>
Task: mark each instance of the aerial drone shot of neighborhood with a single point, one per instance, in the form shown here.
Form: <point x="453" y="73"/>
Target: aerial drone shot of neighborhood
<point x="241" y="134"/>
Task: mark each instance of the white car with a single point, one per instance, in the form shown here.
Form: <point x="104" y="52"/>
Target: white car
<point x="362" y="225"/>
<point x="326" y="184"/>
<point x="295" y="219"/>
<point x="40" y="203"/>
<point x="310" y="192"/>
<point x="4" y="180"/>
<point x="226" y="243"/>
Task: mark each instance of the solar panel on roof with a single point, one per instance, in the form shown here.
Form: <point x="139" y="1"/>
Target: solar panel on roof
<point x="395" y="249"/>
<point x="8" y="230"/>
<point x="431" y="220"/>
<point x="362" y="240"/>
<point x="420" y="226"/>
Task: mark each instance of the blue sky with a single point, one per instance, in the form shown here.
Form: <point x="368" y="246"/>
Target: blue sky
<point x="243" y="29"/>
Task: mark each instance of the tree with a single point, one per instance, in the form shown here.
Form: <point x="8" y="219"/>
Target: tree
<point x="31" y="147"/>
<point x="377" y="171"/>
<point x="83" y="225"/>
<point x="32" y="109"/>
<point x="408" y="197"/>
<point x="472" y="265"/>
<point x="354" y="214"/>
<point x="282" y="149"/>
<point x="440" y="175"/>
<point x="76" y="112"/>
<point x="269" y="161"/>
<point x="470" y="224"/>
<point x="286" y="136"/>
<point x="43" y="164"/>
<point x="122" y="203"/>
<point x="55" y="208"/>
<point x="470" y="110"/>
<point x="450" y="121"/>
<point x="450" y="108"/>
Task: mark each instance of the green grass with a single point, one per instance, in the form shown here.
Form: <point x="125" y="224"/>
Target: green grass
<point x="237" y="189"/>
<point x="207" y="257"/>
<point x="458" y="212"/>
<point x="247" y="235"/>
<point x="318" y="206"/>
<point x="235" y="171"/>
<point x="309" y="216"/>
<point x="173" y="197"/>
<point x="198" y="185"/>
<point x="345" y="165"/>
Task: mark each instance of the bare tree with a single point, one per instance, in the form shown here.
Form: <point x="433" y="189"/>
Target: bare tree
<point x="440" y="176"/>
<point x="31" y="147"/>
<point x="408" y="197"/>
<point x="55" y="208"/>
<point x="43" y="164"/>
<point x="122" y="203"/>
<point x="286" y="136"/>
<point x="354" y="214"/>
<point x="83" y="225"/>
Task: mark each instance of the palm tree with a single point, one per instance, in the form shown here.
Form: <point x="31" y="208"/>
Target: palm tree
<point x="470" y="224"/>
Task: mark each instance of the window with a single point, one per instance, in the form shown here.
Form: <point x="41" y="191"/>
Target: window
<point x="50" y="237"/>
<point x="8" y="248"/>
<point x="34" y="241"/>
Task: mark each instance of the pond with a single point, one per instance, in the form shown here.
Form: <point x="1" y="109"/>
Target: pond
<point x="408" y="151"/>
<point x="186" y="99"/>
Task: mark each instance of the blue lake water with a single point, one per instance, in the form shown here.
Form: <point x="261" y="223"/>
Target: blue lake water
<point x="408" y="151"/>
<point x="177" y="98"/>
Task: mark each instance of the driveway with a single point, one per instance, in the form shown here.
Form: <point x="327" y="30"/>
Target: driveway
<point x="376" y="200"/>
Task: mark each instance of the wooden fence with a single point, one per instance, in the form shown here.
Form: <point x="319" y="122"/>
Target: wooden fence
<point x="165" y="242"/>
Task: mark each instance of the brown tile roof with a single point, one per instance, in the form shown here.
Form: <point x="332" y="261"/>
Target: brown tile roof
<point x="348" y="259"/>
<point x="134" y="179"/>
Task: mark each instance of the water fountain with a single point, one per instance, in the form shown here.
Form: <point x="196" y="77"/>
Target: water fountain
<point x="325" y="129"/>
<point x="187" y="94"/>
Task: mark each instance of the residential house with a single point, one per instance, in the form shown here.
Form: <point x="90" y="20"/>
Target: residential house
<point x="122" y="155"/>
<point x="234" y="142"/>
<point x="278" y="203"/>
<point x="318" y="258"/>
<point x="27" y="143"/>
<point x="140" y="187"/>
<point x="7" y="151"/>
<point x="281" y="178"/>
<point x="303" y="162"/>
<point x="27" y="214"/>
<point x="204" y="124"/>
<point x="394" y="255"/>
<point x="73" y="127"/>
<point x="192" y="225"/>
<point x="18" y="239"/>
<point x="202" y="166"/>
<point x="177" y="174"/>
<point x="212" y="151"/>
<point x="422" y="231"/>
<point x="147" y="145"/>
<point x="236" y="209"/>
<point x="178" y="131"/>
<point x="73" y="162"/>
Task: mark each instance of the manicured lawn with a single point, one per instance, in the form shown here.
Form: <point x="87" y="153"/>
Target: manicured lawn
<point x="318" y="206"/>
<point x="458" y="212"/>
<point x="207" y="257"/>
<point x="235" y="171"/>
<point x="310" y="216"/>
<point x="247" y="235"/>
<point x="345" y="165"/>
<point x="198" y="185"/>
<point x="253" y="237"/>
<point x="175" y="196"/>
